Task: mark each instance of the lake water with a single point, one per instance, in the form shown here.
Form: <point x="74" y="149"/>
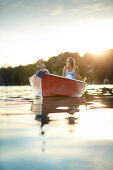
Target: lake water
<point x="56" y="134"/>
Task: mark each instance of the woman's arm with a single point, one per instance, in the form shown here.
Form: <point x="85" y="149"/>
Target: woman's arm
<point x="45" y="70"/>
<point x="64" y="72"/>
<point x="77" y="73"/>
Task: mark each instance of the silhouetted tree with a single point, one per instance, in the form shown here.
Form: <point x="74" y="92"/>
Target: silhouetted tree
<point x="95" y="67"/>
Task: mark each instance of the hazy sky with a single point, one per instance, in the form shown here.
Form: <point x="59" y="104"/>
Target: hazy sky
<point x="35" y="29"/>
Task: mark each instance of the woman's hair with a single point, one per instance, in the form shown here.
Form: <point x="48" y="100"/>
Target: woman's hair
<point x="72" y="61"/>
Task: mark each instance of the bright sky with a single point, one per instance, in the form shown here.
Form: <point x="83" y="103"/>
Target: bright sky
<point x="30" y="30"/>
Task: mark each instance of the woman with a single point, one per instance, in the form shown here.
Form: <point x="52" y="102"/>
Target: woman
<point x="42" y="66"/>
<point x="71" y="71"/>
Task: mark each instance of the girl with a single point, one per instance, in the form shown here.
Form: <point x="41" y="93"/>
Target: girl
<point x="71" y="71"/>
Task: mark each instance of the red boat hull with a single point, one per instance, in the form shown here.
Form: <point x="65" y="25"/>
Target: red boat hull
<point x="52" y="86"/>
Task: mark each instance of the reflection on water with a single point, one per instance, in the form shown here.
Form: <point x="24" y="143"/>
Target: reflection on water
<point x="56" y="133"/>
<point x="57" y="109"/>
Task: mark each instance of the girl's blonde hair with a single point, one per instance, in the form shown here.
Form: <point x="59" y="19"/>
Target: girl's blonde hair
<point x="72" y="61"/>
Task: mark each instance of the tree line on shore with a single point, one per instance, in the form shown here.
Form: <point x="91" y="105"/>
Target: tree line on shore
<point x="97" y="67"/>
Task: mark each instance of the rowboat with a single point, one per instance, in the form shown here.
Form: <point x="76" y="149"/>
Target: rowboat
<point x="50" y="85"/>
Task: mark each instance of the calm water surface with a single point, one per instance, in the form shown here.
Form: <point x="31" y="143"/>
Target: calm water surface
<point x="56" y="133"/>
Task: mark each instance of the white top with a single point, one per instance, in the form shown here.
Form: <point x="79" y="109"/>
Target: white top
<point x="71" y="75"/>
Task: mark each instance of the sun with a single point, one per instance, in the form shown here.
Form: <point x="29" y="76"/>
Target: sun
<point x="20" y="49"/>
<point x="94" y="38"/>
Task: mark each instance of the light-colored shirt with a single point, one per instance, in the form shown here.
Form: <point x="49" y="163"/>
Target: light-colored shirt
<point x="71" y="75"/>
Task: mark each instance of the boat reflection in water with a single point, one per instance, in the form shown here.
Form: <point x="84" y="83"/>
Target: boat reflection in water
<point x="59" y="133"/>
<point x="54" y="109"/>
<point x="78" y="115"/>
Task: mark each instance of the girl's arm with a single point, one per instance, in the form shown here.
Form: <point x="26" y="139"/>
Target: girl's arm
<point x="64" y="72"/>
<point x="77" y="73"/>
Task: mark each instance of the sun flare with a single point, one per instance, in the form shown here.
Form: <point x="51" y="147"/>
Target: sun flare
<point x="29" y="46"/>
